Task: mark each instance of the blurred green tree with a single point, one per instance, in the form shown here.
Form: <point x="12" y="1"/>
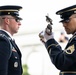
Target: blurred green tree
<point x="25" y="70"/>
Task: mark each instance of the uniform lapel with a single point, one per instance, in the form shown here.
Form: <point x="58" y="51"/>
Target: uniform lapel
<point x="12" y="41"/>
<point x="70" y="40"/>
<point x="15" y="46"/>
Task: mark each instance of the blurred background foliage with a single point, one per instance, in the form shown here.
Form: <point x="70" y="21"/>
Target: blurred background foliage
<point x="25" y="70"/>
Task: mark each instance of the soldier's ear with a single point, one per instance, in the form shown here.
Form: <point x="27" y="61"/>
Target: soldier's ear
<point x="6" y="20"/>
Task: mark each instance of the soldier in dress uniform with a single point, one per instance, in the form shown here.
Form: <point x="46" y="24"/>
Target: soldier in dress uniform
<point x="64" y="60"/>
<point x="10" y="55"/>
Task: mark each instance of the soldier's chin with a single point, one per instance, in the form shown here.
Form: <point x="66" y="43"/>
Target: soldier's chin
<point x="69" y="32"/>
<point x="16" y="31"/>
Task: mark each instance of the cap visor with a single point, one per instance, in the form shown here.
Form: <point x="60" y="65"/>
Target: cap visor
<point x="62" y="21"/>
<point x="19" y="18"/>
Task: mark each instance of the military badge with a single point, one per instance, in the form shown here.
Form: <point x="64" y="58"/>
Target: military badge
<point x="16" y="64"/>
<point x="70" y="49"/>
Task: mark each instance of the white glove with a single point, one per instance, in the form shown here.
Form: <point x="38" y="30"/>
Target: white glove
<point x="46" y="35"/>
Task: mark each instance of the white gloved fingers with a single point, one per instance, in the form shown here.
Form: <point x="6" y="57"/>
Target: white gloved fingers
<point x="47" y="37"/>
<point x="46" y="34"/>
<point x="43" y="41"/>
<point x="41" y="35"/>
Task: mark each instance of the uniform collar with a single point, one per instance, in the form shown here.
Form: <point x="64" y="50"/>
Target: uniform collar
<point x="10" y="36"/>
<point x="74" y="34"/>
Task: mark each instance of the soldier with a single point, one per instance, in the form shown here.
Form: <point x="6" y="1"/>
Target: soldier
<point x="10" y="55"/>
<point x="64" y="60"/>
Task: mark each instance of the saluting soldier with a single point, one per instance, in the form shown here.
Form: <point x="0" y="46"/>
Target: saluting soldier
<point x="64" y="60"/>
<point x="10" y="55"/>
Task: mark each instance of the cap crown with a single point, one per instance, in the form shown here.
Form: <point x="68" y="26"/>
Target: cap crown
<point x="10" y="10"/>
<point x="67" y="12"/>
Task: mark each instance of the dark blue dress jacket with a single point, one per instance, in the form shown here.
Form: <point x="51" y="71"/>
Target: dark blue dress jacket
<point x="10" y="56"/>
<point x="64" y="60"/>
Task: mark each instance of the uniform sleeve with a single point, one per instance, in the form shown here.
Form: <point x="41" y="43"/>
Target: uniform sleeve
<point x="4" y="56"/>
<point x="62" y="59"/>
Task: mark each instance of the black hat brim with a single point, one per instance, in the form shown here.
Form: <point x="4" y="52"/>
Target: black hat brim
<point x="18" y="17"/>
